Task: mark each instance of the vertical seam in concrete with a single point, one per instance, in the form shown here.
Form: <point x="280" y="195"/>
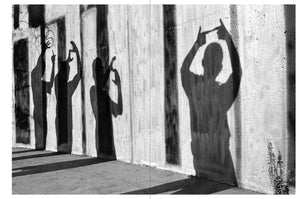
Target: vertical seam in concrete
<point x="176" y="88"/>
<point x="130" y="86"/>
<point x="237" y="104"/>
<point x="150" y="112"/>
<point x="82" y="84"/>
<point x="44" y="95"/>
<point x="289" y="14"/>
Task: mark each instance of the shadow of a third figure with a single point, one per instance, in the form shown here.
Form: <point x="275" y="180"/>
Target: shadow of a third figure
<point x="103" y="107"/>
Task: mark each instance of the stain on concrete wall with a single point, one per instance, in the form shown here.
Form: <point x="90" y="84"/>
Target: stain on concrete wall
<point x="171" y="96"/>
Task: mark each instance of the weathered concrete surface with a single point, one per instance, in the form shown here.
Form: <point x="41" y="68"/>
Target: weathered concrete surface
<point x="89" y="37"/>
<point x="146" y="70"/>
<point x="118" y="34"/>
<point x="44" y="172"/>
<point x="263" y="91"/>
<point x="258" y="116"/>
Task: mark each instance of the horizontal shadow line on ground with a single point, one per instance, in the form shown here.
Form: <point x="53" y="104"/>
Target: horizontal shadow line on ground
<point x="57" y="166"/>
<point x="36" y="156"/>
<point x="24" y="151"/>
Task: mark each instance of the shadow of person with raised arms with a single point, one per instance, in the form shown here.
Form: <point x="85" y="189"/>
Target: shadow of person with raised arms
<point x="209" y="102"/>
<point x="103" y="107"/>
<point x="38" y="94"/>
<point x="64" y="91"/>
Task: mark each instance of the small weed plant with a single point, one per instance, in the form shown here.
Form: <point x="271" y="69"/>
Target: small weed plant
<point x="280" y="186"/>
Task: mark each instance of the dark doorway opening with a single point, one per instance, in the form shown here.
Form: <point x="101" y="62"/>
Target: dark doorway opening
<point x="22" y="108"/>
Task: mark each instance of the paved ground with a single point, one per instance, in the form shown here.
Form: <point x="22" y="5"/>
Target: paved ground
<point x="44" y="172"/>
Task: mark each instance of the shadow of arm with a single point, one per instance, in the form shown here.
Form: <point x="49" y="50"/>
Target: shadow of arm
<point x="49" y="84"/>
<point x="186" y="75"/>
<point x="107" y="72"/>
<point x="93" y="99"/>
<point x="72" y="85"/>
<point x="231" y="87"/>
<point x="117" y="109"/>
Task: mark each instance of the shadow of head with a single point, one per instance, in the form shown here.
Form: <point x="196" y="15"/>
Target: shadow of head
<point x="98" y="72"/>
<point x="212" y="60"/>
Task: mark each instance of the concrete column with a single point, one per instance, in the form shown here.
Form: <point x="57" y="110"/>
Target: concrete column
<point x="118" y="24"/>
<point x="89" y="34"/>
<point x="263" y="91"/>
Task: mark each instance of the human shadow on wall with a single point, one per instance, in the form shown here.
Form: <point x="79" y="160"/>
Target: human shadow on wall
<point x="64" y="91"/>
<point x="103" y="107"/>
<point x="39" y="89"/>
<point x="209" y="102"/>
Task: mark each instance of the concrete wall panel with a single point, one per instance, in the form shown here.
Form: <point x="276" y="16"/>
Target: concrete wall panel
<point x="119" y="47"/>
<point x="263" y="90"/>
<point x="51" y="140"/>
<point x="156" y="75"/>
<point x="139" y="38"/>
<point x="89" y="54"/>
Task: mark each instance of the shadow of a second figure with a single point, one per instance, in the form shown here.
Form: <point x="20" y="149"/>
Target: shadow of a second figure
<point x="64" y="90"/>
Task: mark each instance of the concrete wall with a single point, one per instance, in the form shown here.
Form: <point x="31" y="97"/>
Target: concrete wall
<point x="136" y="37"/>
<point x="264" y="89"/>
<point x="89" y="53"/>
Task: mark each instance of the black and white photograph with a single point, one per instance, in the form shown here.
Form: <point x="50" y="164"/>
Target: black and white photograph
<point x="155" y="98"/>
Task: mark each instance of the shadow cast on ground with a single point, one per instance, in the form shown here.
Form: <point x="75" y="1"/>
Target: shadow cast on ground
<point x="57" y="166"/>
<point x="185" y="186"/>
<point x="35" y="156"/>
<point x="24" y="151"/>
